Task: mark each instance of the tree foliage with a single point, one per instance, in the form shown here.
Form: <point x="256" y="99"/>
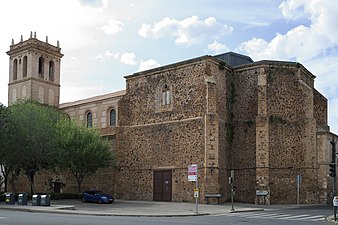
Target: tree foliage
<point x="9" y="162"/>
<point x="34" y="134"/>
<point x="35" y="137"/>
<point x="82" y="150"/>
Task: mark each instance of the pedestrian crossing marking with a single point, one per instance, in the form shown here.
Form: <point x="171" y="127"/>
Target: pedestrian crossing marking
<point x="277" y="216"/>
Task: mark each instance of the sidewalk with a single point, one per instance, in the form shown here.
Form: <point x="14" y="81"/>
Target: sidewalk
<point x="132" y="208"/>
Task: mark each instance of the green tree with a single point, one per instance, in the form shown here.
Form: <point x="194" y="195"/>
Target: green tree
<point x="82" y="150"/>
<point x="35" y="127"/>
<point x="9" y="165"/>
<point x="3" y="147"/>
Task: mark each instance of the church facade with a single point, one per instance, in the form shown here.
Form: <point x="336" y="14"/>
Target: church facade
<point x="262" y="120"/>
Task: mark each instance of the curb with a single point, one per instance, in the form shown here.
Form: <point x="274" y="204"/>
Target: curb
<point x="247" y="210"/>
<point x="71" y="211"/>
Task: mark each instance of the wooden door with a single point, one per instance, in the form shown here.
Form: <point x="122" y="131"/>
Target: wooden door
<point x="162" y="185"/>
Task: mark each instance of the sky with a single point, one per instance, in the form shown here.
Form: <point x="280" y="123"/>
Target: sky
<point x="105" y="40"/>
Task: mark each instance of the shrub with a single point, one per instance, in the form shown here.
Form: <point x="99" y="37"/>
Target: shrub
<point x="59" y="196"/>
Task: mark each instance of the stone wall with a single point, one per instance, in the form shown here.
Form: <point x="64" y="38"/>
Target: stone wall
<point x="143" y="149"/>
<point x="292" y="134"/>
<point x="155" y="138"/>
<point x="243" y="96"/>
<point x="320" y="110"/>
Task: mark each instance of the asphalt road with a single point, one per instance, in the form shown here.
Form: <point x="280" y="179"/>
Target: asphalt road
<point x="294" y="216"/>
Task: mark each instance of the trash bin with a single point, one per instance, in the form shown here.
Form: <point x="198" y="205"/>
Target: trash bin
<point x="45" y="200"/>
<point x="36" y="200"/>
<point x="22" y="199"/>
<point x="10" y="199"/>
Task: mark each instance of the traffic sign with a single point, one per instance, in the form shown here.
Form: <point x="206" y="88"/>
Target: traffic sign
<point x="196" y="193"/>
<point x="192" y="172"/>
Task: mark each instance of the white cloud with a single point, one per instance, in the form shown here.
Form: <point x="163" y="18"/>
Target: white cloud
<point x="128" y="58"/>
<point x="302" y="42"/>
<point x="113" y="27"/>
<point x="217" y="48"/>
<point x="75" y="91"/>
<point x="107" y="54"/>
<point x="293" y="9"/>
<point x="95" y="3"/>
<point x="99" y="57"/>
<point x="148" y="64"/>
<point x="187" y="31"/>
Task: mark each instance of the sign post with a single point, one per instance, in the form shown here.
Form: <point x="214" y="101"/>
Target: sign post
<point x="299" y="180"/>
<point x="231" y="181"/>
<point x="193" y="176"/>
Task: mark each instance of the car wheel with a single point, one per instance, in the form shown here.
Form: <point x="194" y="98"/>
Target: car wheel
<point x="83" y="199"/>
<point x="99" y="201"/>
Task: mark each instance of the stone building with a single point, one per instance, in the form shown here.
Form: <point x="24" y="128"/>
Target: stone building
<point x="264" y="120"/>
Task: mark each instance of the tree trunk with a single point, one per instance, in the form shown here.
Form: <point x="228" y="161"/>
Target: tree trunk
<point x="30" y="176"/>
<point x="12" y="182"/>
<point x="5" y="177"/>
<point x="79" y="183"/>
<point x="6" y="183"/>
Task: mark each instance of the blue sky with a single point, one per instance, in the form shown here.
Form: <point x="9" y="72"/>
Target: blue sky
<point x="104" y="40"/>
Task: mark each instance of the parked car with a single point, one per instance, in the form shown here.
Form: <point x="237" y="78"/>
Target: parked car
<point x="97" y="197"/>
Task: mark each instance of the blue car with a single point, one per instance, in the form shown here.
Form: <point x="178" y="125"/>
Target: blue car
<point x="97" y="197"/>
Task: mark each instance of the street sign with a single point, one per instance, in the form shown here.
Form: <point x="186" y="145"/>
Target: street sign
<point x="192" y="172"/>
<point x="196" y="193"/>
<point x="262" y="192"/>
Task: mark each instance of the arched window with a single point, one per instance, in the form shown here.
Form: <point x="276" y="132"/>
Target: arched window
<point x="164" y="97"/>
<point x="24" y="69"/>
<point x="89" y="119"/>
<point x="41" y="67"/>
<point x="112" y="121"/>
<point x="15" y="69"/>
<point x="51" y="71"/>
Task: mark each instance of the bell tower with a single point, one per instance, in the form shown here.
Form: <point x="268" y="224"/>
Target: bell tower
<point x="34" y="71"/>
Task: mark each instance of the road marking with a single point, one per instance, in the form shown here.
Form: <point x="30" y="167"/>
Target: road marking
<point x="276" y="216"/>
<point x="1" y="218"/>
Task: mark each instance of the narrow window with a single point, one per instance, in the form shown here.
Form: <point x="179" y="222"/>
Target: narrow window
<point x="14" y="95"/>
<point x="41" y="67"/>
<point x="24" y="71"/>
<point x="24" y="92"/>
<point x="51" y="71"/>
<point x="166" y="96"/>
<point x="15" y="69"/>
<point x="89" y="120"/>
<point x="112" y="118"/>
